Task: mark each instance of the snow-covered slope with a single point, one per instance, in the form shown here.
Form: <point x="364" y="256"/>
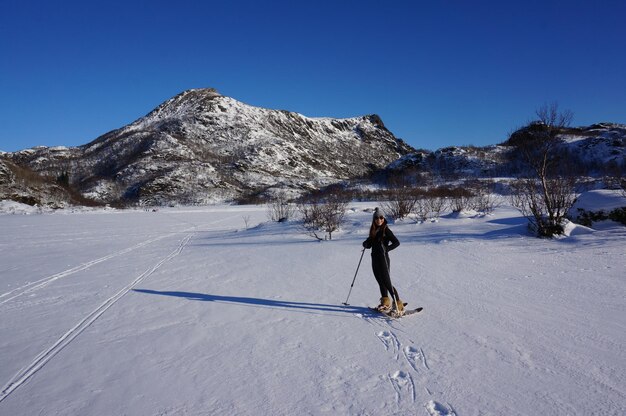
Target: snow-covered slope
<point x="201" y="147"/>
<point x="24" y="185"/>
<point x="601" y="146"/>
<point x="597" y="150"/>
<point x="187" y="312"/>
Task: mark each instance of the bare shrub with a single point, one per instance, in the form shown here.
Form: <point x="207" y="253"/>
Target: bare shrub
<point x="401" y="198"/>
<point x="322" y="217"/>
<point x="421" y="209"/>
<point x="484" y="199"/>
<point x="544" y="203"/>
<point x="438" y="200"/>
<point x="398" y="207"/>
<point x="436" y="204"/>
<point x="461" y="200"/>
<point x="279" y="209"/>
<point x="246" y="220"/>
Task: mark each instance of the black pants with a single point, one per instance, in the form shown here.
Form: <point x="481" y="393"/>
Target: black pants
<point x="381" y="266"/>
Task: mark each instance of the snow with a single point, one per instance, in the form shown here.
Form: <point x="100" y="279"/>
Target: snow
<point x="12" y="207"/>
<point x="600" y="199"/>
<point x="571" y="139"/>
<point x="214" y="310"/>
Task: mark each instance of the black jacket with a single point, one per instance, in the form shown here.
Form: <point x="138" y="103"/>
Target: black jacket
<point x="383" y="242"/>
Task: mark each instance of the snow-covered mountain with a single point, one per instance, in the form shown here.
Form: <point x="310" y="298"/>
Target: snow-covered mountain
<point x="597" y="150"/>
<point x="201" y="147"/>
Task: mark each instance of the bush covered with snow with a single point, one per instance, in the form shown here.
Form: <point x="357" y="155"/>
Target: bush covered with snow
<point x="599" y="205"/>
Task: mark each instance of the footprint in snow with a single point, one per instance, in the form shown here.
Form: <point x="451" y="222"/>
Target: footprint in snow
<point x="438" y="409"/>
<point x="389" y="340"/>
<point x="385" y="338"/>
<point x="415" y="357"/>
<point x="402" y="383"/>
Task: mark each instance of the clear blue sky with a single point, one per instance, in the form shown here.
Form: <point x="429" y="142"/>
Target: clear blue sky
<point x="439" y="73"/>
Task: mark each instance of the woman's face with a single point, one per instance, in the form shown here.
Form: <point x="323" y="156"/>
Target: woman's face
<point x="379" y="221"/>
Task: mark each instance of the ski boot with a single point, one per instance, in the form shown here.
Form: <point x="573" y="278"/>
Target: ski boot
<point x="398" y="310"/>
<point x="385" y="304"/>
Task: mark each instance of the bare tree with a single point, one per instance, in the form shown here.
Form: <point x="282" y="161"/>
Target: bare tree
<point x="545" y="216"/>
<point x="539" y="149"/>
<point x="547" y="192"/>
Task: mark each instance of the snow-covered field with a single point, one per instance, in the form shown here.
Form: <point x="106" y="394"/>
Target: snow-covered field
<point x="189" y="312"/>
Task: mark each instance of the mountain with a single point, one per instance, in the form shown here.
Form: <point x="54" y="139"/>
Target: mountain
<point x="203" y="147"/>
<point x="590" y="152"/>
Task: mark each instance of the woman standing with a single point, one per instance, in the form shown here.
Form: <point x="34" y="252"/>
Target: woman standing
<point x="381" y="240"/>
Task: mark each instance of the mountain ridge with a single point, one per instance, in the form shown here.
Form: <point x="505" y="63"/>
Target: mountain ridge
<point x="202" y="147"/>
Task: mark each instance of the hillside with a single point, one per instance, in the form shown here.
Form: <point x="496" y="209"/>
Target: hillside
<point x="24" y="185"/>
<point x="594" y="151"/>
<point x="202" y="147"/>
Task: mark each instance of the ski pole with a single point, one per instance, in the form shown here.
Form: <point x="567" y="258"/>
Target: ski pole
<point x="353" y="280"/>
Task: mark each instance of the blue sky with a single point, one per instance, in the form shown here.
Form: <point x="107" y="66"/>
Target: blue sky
<point x="439" y="73"/>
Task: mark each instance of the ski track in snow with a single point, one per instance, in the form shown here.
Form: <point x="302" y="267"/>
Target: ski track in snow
<point x="33" y="286"/>
<point x="403" y="383"/>
<point x="45" y="356"/>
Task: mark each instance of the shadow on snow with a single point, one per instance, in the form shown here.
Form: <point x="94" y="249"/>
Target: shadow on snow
<point x="268" y="303"/>
<point x="503" y="228"/>
<point x="515" y="227"/>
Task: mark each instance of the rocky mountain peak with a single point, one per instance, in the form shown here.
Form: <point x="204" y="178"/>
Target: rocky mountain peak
<point x="187" y="103"/>
<point x="202" y="147"/>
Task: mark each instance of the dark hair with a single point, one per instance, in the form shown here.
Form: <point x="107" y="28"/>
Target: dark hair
<point x="374" y="228"/>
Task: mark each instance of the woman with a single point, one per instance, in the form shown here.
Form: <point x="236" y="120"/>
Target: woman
<point x="381" y="240"/>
